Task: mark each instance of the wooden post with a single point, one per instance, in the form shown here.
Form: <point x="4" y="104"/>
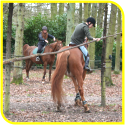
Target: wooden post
<point x="103" y="60"/>
<point x="53" y="53"/>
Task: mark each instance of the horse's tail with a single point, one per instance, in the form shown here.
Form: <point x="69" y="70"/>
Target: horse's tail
<point x="24" y="49"/>
<point x="57" y="77"/>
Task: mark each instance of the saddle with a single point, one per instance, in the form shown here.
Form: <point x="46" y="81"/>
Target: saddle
<point x="36" y="49"/>
<point x="72" y="44"/>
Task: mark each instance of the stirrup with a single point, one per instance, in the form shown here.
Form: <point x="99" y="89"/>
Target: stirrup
<point x="88" y="69"/>
<point x="37" y="59"/>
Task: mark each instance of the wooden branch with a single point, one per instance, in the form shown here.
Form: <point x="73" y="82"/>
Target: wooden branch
<point x="52" y="53"/>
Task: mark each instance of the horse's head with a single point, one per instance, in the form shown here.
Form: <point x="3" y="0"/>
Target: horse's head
<point x="58" y="45"/>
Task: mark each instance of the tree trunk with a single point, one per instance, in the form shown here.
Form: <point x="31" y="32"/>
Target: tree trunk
<point x="80" y="13"/>
<point x="92" y="32"/>
<point x="109" y="45"/>
<point x="118" y="40"/>
<point x="8" y="66"/>
<point x="100" y="14"/>
<point x="17" y="73"/>
<point x="70" y="21"/>
<point x="103" y="100"/>
<point x="53" y="10"/>
<point x="85" y="11"/>
<point x="61" y="8"/>
<point x="89" y="9"/>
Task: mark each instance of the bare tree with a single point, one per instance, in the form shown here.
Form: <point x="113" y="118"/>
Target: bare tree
<point x="118" y="40"/>
<point x="53" y="10"/>
<point x="8" y="66"/>
<point x="17" y="73"/>
<point x="80" y="12"/>
<point x="109" y="45"/>
<point x="70" y="21"/>
<point x="92" y="31"/>
<point x="61" y="8"/>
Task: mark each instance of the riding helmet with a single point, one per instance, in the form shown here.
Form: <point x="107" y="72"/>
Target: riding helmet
<point x="92" y="20"/>
<point x="44" y="28"/>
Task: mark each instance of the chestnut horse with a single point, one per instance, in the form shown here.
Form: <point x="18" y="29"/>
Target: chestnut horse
<point x="70" y="63"/>
<point x="48" y="59"/>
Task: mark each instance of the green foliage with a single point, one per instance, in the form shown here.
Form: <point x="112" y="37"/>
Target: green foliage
<point x="114" y="46"/>
<point x="114" y="54"/>
<point x="56" y="27"/>
<point x="98" y="45"/>
<point x="98" y="48"/>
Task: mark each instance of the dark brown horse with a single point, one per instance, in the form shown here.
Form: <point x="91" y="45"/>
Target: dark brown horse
<point x="48" y="59"/>
<point x="70" y="63"/>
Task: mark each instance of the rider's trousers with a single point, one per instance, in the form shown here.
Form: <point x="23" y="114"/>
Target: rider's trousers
<point x="84" y="50"/>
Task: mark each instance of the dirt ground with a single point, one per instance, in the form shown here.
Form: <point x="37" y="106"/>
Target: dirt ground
<point x="32" y="102"/>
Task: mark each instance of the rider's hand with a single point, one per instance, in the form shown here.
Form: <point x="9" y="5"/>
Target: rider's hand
<point x="46" y="41"/>
<point x="97" y="39"/>
<point x="54" y="39"/>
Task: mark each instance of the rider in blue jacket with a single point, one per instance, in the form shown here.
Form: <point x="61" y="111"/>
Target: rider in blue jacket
<point x="42" y="37"/>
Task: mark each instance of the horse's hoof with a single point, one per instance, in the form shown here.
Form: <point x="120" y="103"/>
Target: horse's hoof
<point x="28" y="79"/>
<point x="58" y="110"/>
<point x="78" y="102"/>
<point x="43" y="81"/>
<point x="88" y="111"/>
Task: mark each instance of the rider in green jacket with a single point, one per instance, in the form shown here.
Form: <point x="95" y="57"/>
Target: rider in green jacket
<point x="78" y="37"/>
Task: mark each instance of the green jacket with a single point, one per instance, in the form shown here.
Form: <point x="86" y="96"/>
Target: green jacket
<point x="81" y="31"/>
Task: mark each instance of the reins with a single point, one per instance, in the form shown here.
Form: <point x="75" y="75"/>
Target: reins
<point x="53" y="49"/>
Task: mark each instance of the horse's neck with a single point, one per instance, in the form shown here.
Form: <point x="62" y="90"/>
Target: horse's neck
<point x="51" y="47"/>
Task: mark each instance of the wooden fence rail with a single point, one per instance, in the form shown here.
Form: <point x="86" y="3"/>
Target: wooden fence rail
<point x="52" y="53"/>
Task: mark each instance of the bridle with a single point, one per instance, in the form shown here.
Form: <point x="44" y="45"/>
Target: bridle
<point x="53" y="49"/>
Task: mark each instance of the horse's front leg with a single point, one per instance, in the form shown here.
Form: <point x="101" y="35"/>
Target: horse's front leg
<point x="27" y="69"/>
<point x="43" y="80"/>
<point x="50" y="68"/>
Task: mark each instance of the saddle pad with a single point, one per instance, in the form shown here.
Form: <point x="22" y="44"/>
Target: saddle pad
<point x="84" y="57"/>
<point x="36" y="49"/>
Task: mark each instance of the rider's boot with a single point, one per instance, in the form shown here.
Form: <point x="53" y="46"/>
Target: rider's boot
<point x="87" y="63"/>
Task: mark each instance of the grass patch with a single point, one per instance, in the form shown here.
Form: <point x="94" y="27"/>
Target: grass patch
<point x="66" y="77"/>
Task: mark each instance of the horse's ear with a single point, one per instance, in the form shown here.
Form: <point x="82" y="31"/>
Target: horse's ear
<point x="62" y="41"/>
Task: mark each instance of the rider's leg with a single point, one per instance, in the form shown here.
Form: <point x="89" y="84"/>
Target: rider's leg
<point x="85" y="52"/>
<point x="87" y="62"/>
<point x="38" y="51"/>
